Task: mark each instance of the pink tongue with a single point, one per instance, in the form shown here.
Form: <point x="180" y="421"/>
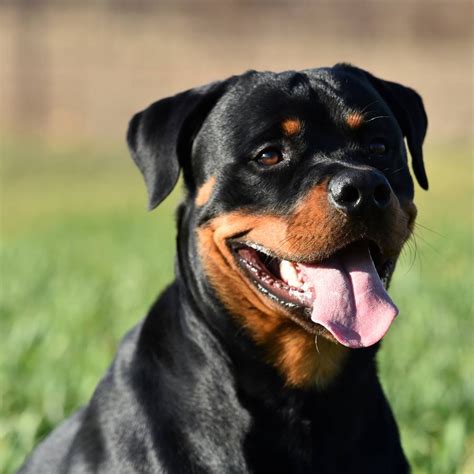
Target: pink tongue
<point x="350" y="300"/>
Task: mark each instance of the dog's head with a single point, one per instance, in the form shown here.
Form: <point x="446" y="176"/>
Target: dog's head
<point x="301" y="197"/>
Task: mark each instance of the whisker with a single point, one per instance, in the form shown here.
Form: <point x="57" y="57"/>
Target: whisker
<point x="398" y="170"/>
<point x="316" y="343"/>
<point x="418" y="236"/>
<point x="412" y="246"/>
<point x="417" y="224"/>
<point x="377" y="117"/>
<point x="369" y="104"/>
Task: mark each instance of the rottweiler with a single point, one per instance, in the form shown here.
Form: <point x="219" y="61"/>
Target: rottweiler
<point x="260" y="356"/>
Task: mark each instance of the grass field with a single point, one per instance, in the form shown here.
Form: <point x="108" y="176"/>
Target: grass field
<point x="81" y="261"/>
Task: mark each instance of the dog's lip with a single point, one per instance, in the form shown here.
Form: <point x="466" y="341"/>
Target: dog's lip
<point x="292" y="299"/>
<point x="293" y="307"/>
<point x="375" y="250"/>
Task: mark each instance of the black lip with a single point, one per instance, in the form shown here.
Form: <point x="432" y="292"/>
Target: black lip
<point x="264" y="282"/>
<point x="297" y="311"/>
<point x="382" y="264"/>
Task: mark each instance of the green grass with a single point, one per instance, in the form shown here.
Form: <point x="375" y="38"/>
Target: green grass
<point x="81" y="261"/>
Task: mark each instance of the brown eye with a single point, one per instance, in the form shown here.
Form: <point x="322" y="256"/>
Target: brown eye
<point x="378" y="147"/>
<point x="269" y="157"/>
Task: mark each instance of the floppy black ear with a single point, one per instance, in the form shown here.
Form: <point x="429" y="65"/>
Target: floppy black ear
<point x="161" y="136"/>
<point x="407" y="106"/>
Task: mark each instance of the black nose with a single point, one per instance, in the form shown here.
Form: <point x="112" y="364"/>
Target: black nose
<point x="358" y="191"/>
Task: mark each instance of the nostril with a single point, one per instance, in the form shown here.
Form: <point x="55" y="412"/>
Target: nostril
<point x="359" y="191"/>
<point x="348" y="195"/>
<point x="381" y="195"/>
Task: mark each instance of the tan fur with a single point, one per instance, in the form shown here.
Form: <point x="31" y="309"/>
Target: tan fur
<point x="355" y="120"/>
<point x="291" y="126"/>
<point x="306" y="359"/>
<point x="205" y="191"/>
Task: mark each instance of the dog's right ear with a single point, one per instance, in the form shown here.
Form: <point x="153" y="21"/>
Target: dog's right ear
<point x="160" y="137"/>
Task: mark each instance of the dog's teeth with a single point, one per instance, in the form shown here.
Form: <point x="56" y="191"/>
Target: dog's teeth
<point x="289" y="274"/>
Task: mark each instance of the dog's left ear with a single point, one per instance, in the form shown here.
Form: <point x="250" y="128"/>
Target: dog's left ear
<point x="407" y="106"/>
<point x="160" y="137"/>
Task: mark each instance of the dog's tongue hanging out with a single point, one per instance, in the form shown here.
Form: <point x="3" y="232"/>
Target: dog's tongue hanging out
<point x="349" y="298"/>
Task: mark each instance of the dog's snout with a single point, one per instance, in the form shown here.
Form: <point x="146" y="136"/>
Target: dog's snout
<point x="359" y="191"/>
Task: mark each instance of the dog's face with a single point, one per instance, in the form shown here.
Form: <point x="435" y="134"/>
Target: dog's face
<point x="302" y="200"/>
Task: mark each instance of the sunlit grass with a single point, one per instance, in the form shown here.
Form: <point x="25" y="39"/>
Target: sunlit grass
<point x="82" y="261"/>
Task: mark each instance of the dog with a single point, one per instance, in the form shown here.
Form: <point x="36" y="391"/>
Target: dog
<point x="260" y="356"/>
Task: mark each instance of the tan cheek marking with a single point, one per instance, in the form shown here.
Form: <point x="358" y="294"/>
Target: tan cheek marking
<point x="311" y="231"/>
<point x="237" y="296"/>
<point x="205" y="191"/>
<point x="291" y="126"/>
<point x="354" y="120"/>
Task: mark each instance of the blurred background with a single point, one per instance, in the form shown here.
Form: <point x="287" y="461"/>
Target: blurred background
<point x="81" y="259"/>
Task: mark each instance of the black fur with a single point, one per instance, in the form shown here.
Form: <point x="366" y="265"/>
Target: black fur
<point x="189" y="392"/>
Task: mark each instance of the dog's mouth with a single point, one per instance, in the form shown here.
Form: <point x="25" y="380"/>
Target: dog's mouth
<point x="343" y="297"/>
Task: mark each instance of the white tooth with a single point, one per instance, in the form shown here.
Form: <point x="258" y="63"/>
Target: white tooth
<point x="289" y="274"/>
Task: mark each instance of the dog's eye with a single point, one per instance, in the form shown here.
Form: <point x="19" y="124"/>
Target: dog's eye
<point x="378" y="147"/>
<point x="269" y="157"/>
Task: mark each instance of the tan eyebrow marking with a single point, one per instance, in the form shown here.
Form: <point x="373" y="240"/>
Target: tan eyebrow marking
<point x="205" y="191"/>
<point x="355" y="119"/>
<point x="291" y="126"/>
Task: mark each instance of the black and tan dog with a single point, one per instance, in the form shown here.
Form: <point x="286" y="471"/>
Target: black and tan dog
<point x="259" y="357"/>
